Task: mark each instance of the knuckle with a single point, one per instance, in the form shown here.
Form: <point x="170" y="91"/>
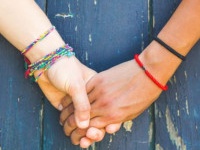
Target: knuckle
<point x="104" y="102"/>
<point x="114" y="116"/>
<point x="103" y="91"/>
<point x="80" y="132"/>
<point x="99" y="79"/>
<point x="71" y="122"/>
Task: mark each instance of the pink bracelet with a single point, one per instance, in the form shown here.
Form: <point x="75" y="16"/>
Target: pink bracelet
<point x="40" y="38"/>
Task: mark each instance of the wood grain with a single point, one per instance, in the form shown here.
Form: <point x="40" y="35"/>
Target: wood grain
<point x="20" y="103"/>
<point x="177" y="111"/>
<point x="103" y="34"/>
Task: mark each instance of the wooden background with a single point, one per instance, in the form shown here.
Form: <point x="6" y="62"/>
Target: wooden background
<point x="103" y="33"/>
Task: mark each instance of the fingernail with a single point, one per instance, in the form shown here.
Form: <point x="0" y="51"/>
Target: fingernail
<point x="60" y="107"/>
<point x="84" y="124"/>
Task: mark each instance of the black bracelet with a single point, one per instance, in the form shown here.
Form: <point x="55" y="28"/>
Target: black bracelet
<point x="169" y="48"/>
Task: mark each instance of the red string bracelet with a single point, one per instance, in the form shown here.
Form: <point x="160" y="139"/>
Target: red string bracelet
<point x="164" y="88"/>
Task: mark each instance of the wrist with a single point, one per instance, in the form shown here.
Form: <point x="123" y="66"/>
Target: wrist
<point x="46" y="46"/>
<point x="159" y="62"/>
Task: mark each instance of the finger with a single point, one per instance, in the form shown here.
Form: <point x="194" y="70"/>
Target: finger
<point x="66" y="112"/>
<point x="85" y="142"/>
<point x="77" y="134"/>
<point x="69" y="125"/>
<point x="54" y="99"/>
<point x="88" y="73"/>
<point x="92" y="96"/>
<point x="91" y="84"/>
<point x="99" y="122"/>
<point x="95" y="134"/>
<point x="112" y="128"/>
<point x="81" y="105"/>
<point x="67" y="100"/>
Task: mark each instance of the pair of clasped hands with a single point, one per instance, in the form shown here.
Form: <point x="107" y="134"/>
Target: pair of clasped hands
<point x="91" y="103"/>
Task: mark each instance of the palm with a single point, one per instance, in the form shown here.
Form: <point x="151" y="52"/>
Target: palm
<point x="52" y="94"/>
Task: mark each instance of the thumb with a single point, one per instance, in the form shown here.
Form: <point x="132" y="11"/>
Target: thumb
<point x="81" y="105"/>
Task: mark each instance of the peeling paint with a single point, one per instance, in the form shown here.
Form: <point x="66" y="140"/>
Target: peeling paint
<point x="154" y="22"/>
<point x="174" y="79"/>
<point x="92" y="147"/>
<point x="156" y="109"/>
<point x="176" y="96"/>
<point x="160" y="114"/>
<point x="90" y="38"/>
<point x="158" y="147"/>
<point x="63" y="15"/>
<point x="178" y="113"/>
<point x="150" y="132"/>
<point x="173" y="133"/>
<point x="76" y="28"/>
<point x="111" y="139"/>
<point x="128" y="125"/>
<point x="149" y="14"/>
<point x="0" y="148"/>
<point x="187" y="108"/>
<point x="86" y="55"/>
<point x="95" y="2"/>
<point x="170" y="81"/>
<point x="18" y="99"/>
<point x="142" y="43"/>
<point x="185" y="74"/>
<point x="41" y="117"/>
<point x="69" y="7"/>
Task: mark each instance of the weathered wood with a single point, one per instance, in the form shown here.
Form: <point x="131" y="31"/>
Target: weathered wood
<point x="20" y="103"/>
<point x="177" y="119"/>
<point x="103" y="34"/>
<point x="21" y="111"/>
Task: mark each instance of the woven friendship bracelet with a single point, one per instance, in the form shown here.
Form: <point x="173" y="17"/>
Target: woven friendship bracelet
<point x="149" y="74"/>
<point x="169" y="48"/>
<point x="47" y="61"/>
<point x="40" y="38"/>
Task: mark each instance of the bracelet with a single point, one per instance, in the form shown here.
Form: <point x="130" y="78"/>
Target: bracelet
<point x="40" y="38"/>
<point x="169" y="48"/>
<point x="149" y="74"/>
<point x="48" y="60"/>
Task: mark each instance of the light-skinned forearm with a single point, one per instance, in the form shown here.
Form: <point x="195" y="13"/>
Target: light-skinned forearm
<point x="181" y="32"/>
<point x="21" y="22"/>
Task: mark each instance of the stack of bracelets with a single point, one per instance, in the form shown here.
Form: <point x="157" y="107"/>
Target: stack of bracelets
<point x="167" y="47"/>
<point x="48" y="60"/>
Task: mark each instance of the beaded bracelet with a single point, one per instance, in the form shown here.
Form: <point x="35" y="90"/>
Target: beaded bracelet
<point x="47" y="61"/>
<point x="40" y="38"/>
<point x="149" y="74"/>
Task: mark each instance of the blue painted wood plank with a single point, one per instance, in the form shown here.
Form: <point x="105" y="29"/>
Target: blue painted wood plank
<point x="20" y="103"/>
<point x="177" y="111"/>
<point x="103" y="34"/>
